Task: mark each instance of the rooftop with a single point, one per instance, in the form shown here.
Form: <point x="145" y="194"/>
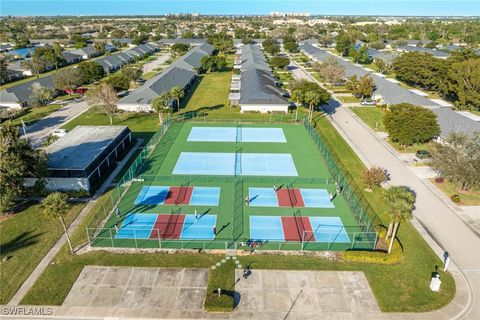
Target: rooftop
<point x="78" y="148"/>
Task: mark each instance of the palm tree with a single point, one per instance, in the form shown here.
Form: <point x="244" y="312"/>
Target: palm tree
<point x="298" y="96"/>
<point x="313" y="98"/>
<point x="177" y="93"/>
<point x="55" y="205"/>
<point x="161" y="103"/>
<point x="400" y="203"/>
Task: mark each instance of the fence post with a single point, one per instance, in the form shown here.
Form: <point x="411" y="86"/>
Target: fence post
<point x="353" y="241"/>
<point x="111" y="237"/>
<point x="88" y="237"/>
<point x="135" y="237"/>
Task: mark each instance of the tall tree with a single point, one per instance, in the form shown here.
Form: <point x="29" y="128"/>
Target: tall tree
<point x="104" y="96"/>
<point x="17" y="161"/>
<point x="55" y="205"/>
<point x="331" y="71"/>
<point x="344" y="43"/>
<point x="400" y="204"/>
<point x="408" y="124"/>
<point x="68" y="79"/>
<point x="34" y="65"/>
<point x="458" y="160"/>
<point x="91" y="71"/>
<point x="40" y="95"/>
<point x="313" y="99"/>
<point x="162" y="104"/>
<point x="177" y="93"/>
<point x="463" y="84"/>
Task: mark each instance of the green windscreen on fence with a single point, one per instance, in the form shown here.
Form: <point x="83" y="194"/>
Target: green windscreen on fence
<point x="361" y="209"/>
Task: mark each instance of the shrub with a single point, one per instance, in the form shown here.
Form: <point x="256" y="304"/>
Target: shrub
<point x="224" y="303"/>
<point x="374" y="177"/>
<point x="407" y="124"/>
<point x="439" y="179"/>
<point x="455" y="198"/>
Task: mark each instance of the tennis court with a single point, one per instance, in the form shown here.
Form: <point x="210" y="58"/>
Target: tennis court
<point x="297" y="228"/>
<point x="289" y="197"/>
<point x="280" y="194"/>
<point x="172" y="195"/>
<point x="158" y="226"/>
<point x="236" y="134"/>
<point x="232" y="164"/>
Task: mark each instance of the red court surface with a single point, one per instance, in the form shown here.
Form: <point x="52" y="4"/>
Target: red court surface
<point x="294" y="227"/>
<point x="179" y="195"/>
<point x="283" y="197"/>
<point x="168" y="226"/>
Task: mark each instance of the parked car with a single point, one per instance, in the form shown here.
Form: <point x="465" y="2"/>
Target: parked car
<point x="286" y="95"/>
<point x="423" y="154"/>
<point x="59" y="132"/>
<point x="368" y="102"/>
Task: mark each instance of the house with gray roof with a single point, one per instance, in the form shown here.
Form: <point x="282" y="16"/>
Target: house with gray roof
<point x="180" y="74"/>
<point x="87" y="52"/>
<point x="436" y="53"/>
<point x="20" y="95"/>
<point x="258" y="87"/>
<point x="71" y="57"/>
<point x="392" y="93"/>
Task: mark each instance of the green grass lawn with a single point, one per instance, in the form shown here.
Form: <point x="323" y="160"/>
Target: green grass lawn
<point x="372" y="116"/>
<point x="467" y="198"/>
<point x="35" y="114"/>
<point x="143" y="125"/>
<point x="349" y="99"/>
<point x="26" y="237"/>
<point x="149" y="75"/>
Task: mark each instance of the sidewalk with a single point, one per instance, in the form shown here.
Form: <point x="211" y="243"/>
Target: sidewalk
<point x="73" y="226"/>
<point x="445" y="229"/>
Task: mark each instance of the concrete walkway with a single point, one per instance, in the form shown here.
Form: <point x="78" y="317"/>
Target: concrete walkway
<point x="440" y="219"/>
<point x="71" y="229"/>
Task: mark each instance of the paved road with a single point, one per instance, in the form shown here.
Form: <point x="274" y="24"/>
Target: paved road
<point x="150" y="66"/>
<point x="40" y="130"/>
<point x="441" y="221"/>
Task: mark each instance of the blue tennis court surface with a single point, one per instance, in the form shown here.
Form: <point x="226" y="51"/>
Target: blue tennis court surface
<point x="316" y="198"/>
<point x="137" y="225"/>
<point x="153" y="195"/>
<point x="329" y="229"/>
<point x="266" y="228"/>
<point x="205" y="196"/>
<point x="236" y="134"/>
<point x="262" y="197"/>
<point x="202" y="229"/>
<point x="229" y="164"/>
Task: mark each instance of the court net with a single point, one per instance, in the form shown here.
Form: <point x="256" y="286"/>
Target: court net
<point x="182" y="193"/>
<point x="291" y="194"/>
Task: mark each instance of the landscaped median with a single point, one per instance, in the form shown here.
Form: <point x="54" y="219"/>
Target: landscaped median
<point x="399" y="286"/>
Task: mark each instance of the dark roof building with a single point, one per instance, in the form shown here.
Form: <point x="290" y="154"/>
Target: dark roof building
<point x="180" y="74"/>
<point x="258" y="87"/>
<point x="390" y="92"/>
<point x="81" y="158"/>
<point x="19" y="95"/>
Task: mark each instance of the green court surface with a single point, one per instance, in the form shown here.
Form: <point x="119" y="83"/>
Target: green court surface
<point x="233" y="214"/>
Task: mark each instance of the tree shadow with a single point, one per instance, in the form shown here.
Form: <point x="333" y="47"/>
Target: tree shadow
<point x="23" y="240"/>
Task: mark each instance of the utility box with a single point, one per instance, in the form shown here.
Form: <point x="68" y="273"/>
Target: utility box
<point x="435" y="283"/>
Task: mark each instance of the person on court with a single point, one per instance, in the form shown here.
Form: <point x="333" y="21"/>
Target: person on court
<point x="247" y="200"/>
<point x="117" y="212"/>
<point x="196" y="216"/>
<point x="330" y="195"/>
<point x="214" y="231"/>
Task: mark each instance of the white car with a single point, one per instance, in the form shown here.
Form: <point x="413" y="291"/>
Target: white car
<point x="59" y="132"/>
<point x="368" y="102"/>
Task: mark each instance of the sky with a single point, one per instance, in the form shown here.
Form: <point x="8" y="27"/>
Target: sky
<point x="247" y="7"/>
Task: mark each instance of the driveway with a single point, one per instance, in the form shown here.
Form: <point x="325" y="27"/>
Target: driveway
<point x="41" y="129"/>
<point x="150" y="66"/>
<point x="440" y="219"/>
